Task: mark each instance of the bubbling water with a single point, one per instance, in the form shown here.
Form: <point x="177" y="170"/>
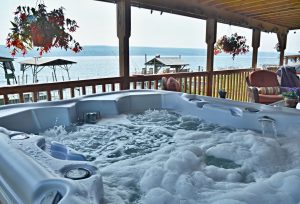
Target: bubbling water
<point x="163" y="157"/>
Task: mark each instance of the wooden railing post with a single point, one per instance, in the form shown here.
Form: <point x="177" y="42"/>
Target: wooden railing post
<point x="282" y="45"/>
<point x="6" y="99"/>
<point x="255" y="45"/>
<point x="211" y="32"/>
<point x="35" y="96"/>
<point x="123" y="32"/>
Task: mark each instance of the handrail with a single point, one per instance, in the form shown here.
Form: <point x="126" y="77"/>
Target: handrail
<point x="192" y="82"/>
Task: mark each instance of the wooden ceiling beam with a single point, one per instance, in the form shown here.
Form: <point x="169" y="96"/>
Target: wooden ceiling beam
<point x="193" y="9"/>
<point x="223" y="3"/>
<point x="254" y="4"/>
<point x="199" y="9"/>
<point x="275" y="13"/>
<point x="261" y="10"/>
<point x="282" y="18"/>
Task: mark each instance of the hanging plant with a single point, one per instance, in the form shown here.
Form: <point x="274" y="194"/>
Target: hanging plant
<point x="37" y="27"/>
<point x="233" y="45"/>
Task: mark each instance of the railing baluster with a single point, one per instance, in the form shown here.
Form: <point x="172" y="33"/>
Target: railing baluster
<point x="240" y="87"/>
<point x="215" y="85"/>
<point x="204" y="89"/>
<point x="94" y="89"/>
<point x="180" y="83"/>
<point x="155" y="84"/>
<point x="61" y="94"/>
<point x="227" y="84"/>
<point x="35" y="96"/>
<point x="223" y="81"/>
<point x="220" y="80"/>
<point x="231" y="87"/>
<point x="190" y="84"/>
<point x="83" y="90"/>
<point x="120" y="86"/>
<point x="195" y="84"/>
<point x="143" y="84"/>
<point x="235" y="87"/>
<point x="49" y="95"/>
<point x="199" y="85"/>
<point x="113" y="87"/>
<point x="72" y="90"/>
<point x="21" y="97"/>
<point x="245" y="87"/>
<point x="185" y="84"/>
<point x="6" y="99"/>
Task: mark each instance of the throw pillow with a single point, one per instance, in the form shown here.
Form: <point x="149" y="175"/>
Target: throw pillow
<point x="275" y="90"/>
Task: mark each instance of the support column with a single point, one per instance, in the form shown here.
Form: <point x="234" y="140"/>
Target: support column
<point x="255" y="45"/>
<point x="282" y="45"/>
<point x="211" y="34"/>
<point x="123" y="32"/>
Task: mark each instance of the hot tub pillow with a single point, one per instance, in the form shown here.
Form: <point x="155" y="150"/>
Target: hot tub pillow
<point x="274" y="90"/>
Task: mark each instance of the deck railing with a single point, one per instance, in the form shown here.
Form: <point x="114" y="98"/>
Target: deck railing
<point x="233" y="81"/>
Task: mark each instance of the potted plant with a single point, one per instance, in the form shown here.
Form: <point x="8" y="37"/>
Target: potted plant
<point x="234" y="45"/>
<point x="291" y="98"/>
<point x="38" y="27"/>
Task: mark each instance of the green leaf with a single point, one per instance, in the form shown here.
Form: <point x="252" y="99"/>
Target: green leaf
<point x="13" y="24"/>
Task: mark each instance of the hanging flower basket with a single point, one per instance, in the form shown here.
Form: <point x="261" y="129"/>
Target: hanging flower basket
<point x="233" y="45"/>
<point x="42" y="29"/>
<point x="39" y="39"/>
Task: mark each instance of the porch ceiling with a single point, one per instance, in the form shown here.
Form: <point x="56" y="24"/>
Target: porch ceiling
<point x="267" y="15"/>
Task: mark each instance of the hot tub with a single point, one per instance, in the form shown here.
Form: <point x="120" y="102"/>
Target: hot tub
<point x="35" y="170"/>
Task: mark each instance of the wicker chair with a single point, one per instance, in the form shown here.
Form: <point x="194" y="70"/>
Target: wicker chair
<point x="263" y="79"/>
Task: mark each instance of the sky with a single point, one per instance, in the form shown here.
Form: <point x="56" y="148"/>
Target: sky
<point x="97" y="21"/>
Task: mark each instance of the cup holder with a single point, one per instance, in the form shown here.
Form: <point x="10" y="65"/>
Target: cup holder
<point x="78" y="171"/>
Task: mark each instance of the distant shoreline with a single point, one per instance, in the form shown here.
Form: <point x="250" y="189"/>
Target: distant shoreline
<point x="103" y="50"/>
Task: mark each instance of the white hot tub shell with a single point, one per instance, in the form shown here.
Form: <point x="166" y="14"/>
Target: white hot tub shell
<point x="29" y="174"/>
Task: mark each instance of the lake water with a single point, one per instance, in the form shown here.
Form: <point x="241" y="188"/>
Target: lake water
<point x="102" y="61"/>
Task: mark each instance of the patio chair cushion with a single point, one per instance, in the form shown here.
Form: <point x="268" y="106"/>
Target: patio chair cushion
<point x="273" y="90"/>
<point x="170" y="84"/>
<point x="267" y="99"/>
<point x="173" y="84"/>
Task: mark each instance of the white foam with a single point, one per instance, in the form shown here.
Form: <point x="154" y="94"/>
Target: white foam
<point x="162" y="158"/>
